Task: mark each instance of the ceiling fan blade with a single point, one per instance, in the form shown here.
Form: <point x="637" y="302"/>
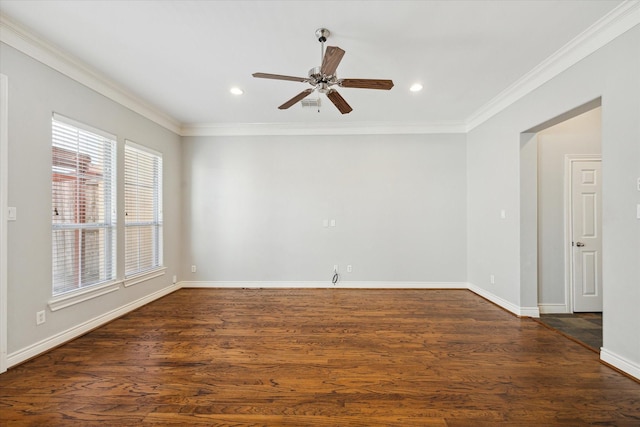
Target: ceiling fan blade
<point x="279" y="77"/>
<point x="332" y="57"/>
<point x="367" y="83"/>
<point x="339" y="101"/>
<point x="295" y="99"/>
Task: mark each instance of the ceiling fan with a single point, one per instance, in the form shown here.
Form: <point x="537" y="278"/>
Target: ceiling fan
<point x="324" y="77"/>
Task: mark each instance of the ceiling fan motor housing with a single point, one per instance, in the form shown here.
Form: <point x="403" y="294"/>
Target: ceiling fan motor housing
<point x="316" y="78"/>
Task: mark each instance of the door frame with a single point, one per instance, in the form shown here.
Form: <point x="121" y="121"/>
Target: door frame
<point x="569" y="160"/>
<point x="4" y="189"/>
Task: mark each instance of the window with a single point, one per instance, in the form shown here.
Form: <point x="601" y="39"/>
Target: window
<point x="143" y="209"/>
<point x="83" y="205"/>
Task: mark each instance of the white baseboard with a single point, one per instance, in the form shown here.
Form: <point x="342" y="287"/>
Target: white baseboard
<point x="620" y="362"/>
<point x="515" y="309"/>
<point x="74" y="332"/>
<point x="529" y="312"/>
<point x="324" y="284"/>
<point x="553" y="308"/>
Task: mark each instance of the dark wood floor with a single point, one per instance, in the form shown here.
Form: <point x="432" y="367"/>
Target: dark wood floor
<point x="323" y="357"/>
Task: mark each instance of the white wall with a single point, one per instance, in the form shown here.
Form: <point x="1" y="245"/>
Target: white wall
<point x="255" y="206"/>
<point x="579" y="135"/>
<point x="493" y="157"/>
<point x="35" y="91"/>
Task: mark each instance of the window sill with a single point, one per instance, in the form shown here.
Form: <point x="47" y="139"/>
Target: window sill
<point x="143" y="277"/>
<point x="76" y="297"/>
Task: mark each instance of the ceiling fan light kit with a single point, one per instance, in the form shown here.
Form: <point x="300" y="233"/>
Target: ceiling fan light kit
<point x="322" y="78"/>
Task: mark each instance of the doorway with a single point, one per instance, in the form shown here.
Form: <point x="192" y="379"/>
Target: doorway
<point x="568" y="156"/>
<point x="546" y="239"/>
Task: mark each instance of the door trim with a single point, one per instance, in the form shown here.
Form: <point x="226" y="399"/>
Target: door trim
<point x="4" y="188"/>
<point x="569" y="160"/>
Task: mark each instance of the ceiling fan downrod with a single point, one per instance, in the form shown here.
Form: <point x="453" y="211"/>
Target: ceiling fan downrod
<point x="322" y="34"/>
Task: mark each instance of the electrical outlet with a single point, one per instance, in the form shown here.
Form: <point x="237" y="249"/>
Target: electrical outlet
<point x="175" y="279"/>
<point x="349" y="268"/>
<point x="193" y="269"/>
<point x="40" y="318"/>
<point x="492" y="279"/>
<point x="335" y="268"/>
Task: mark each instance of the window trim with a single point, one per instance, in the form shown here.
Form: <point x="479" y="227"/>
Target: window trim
<point x="84" y="126"/>
<point x="134" y="279"/>
<point x="74" y="297"/>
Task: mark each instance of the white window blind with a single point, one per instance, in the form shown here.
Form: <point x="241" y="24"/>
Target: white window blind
<point x="143" y="209"/>
<point x="83" y="206"/>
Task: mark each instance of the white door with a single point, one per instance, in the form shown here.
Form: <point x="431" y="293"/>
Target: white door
<point x="586" y="207"/>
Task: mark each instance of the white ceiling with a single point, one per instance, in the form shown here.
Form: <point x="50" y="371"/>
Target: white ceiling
<point x="183" y="56"/>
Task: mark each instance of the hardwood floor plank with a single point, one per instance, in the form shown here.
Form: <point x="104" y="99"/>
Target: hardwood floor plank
<point x="321" y="357"/>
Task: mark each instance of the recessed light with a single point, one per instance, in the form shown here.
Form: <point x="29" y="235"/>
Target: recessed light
<point x="236" y="91"/>
<point x="416" y="87"/>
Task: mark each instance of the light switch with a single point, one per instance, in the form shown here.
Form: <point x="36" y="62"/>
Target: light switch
<point x="325" y="222"/>
<point x="13" y="213"/>
<point x="333" y="222"/>
<point x="503" y="214"/>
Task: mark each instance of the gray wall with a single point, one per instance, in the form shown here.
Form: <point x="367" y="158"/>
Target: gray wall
<point x="579" y="135"/>
<point x="407" y="207"/>
<point x="254" y="208"/>
<point x="493" y="159"/>
<point x="35" y="91"/>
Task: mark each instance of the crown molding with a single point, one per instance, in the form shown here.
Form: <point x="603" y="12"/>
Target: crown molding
<point x="37" y="48"/>
<point x="618" y="21"/>
<point x="335" y="128"/>
<point x="41" y="50"/>
<point x="615" y="23"/>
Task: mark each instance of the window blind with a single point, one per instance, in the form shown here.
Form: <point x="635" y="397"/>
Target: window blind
<point x="143" y="209"/>
<point x="83" y="206"/>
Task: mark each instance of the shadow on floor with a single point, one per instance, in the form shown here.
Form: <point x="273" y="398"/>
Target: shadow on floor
<point x="585" y="328"/>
